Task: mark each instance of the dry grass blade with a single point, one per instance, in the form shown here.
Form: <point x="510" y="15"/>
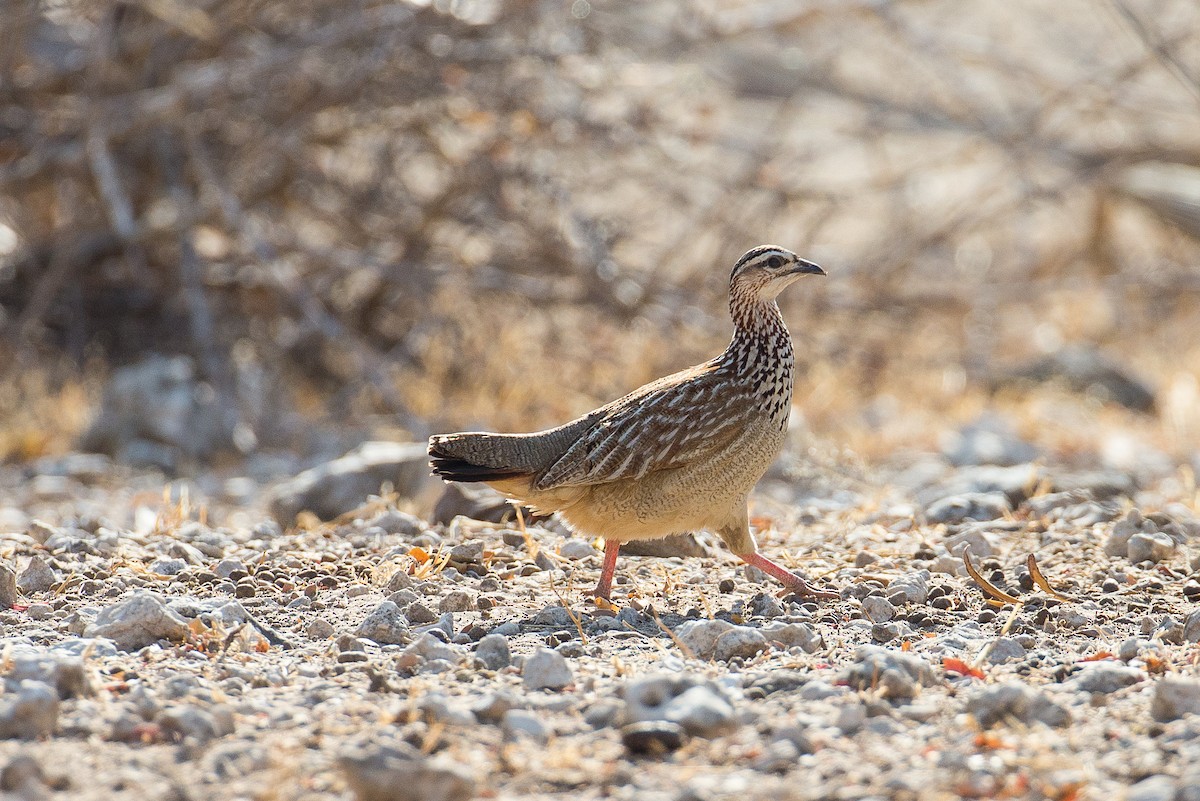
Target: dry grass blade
<point x="1035" y="573"/>
<point x="987" y="586"/>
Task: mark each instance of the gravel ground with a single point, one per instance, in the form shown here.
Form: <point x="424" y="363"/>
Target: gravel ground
<point x="195" y="649"/>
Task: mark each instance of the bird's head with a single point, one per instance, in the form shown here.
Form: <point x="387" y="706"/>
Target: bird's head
<point x="765" y="271"/>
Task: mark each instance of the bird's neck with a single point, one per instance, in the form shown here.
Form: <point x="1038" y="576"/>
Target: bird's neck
<point x="761" y="346"/>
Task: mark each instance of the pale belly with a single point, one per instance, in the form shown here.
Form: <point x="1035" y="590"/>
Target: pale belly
<point x="708" y="495"/>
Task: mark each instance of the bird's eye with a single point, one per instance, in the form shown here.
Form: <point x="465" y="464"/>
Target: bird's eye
<point x="775" y="262"/>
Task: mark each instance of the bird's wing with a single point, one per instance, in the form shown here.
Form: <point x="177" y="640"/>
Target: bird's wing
<point x="663" y="425"/>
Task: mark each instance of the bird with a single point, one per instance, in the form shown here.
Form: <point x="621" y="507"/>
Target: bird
<point x="679" y="454"/>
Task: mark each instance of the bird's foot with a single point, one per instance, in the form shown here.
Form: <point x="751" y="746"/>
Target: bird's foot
<point x="791" y="582"/>
<point x="803" y="589"/>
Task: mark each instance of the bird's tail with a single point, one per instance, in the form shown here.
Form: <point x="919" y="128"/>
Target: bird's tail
<point x="477" y="456"/>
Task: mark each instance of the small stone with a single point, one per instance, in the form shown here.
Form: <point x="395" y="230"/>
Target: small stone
<point x="978" y="506"/>
<point x="516" y="722"/>
<point x="400" y="580"/>
<point x="8" y="587"/>
<point x="576" y="549"/>
<point x="557" y="617"/>
<point x="1131" y="647"/>
<point x="794" y="635"/>
<point x="1103" y="678"/>
<point x="1117" y="543"/>
<point x="546" y="670"/>
<point x="1191" y="627"/>
<point x="386" y="625"/>
<point x="427" y="647"/>
<point x="36" y="577"/>
<point x="456" y="601"/>
<point x="894" y="674"/>
<point x="1006" y="649"/>
<point x="138" y="621"/>
<point x="1175" y="697"/>
<point x="319" y="629"/>
<point x="914" y="586"/>
<point x="227" y="567"/>
<point x="418" y="614"/>
<point x="31" y="714"/>
<point x="877" y="609"/>
<point x="188" y="721"/>
<point x="1015" y="701"/>
<point x="740" y="641"/>
<point x="23" y="777"/>
<point x="700" y="708"/>
<point x="700" y="636"/>
<point x="1152" y="788"/>
<point x="168" y="567"/>
<point x="398" y="772"/>
<point x="1153" y="547"/>
<point x="493" y="652"/>
<point x="653" y="737"/>
<point x="39" y="611"/>
<point x="764" y="605"/>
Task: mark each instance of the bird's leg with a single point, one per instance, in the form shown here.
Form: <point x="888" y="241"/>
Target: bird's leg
<point x="604" y="588"/>
<point x="789" y="579"/>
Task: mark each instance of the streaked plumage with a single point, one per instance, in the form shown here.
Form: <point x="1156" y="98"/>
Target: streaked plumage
<point x="680" y="453"/>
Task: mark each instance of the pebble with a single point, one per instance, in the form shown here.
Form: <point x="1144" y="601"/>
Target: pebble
<point x="764" y="605"/>
<point x="894" y="674"/>
<point x="576" y="549"/>
<point x="1006" y="649"/>
<point x="699" y="707"/>
<point x="794" y="635"/>
<point x="1174" y="697"/>
<point x="138" y="621"/>
<point x="653" y="737"/>
<point x="521" y="722"/>
<point x="418" y="614"/>
<point x="23" y="777"/>
<point x="700" y="636"/>
<point x="978" y="506"/>
<point x="914" y="587"/>
<point x="1191" y="627"/>
<point x="1152" y="788"/>
<point x="1105" y="677"/>
<point x="546" y="670"/>
<point x="493" y="652"/>
<point x="8" y="587"/>
<point x="878" y="609"/>
<point x="191" y="722"/>
<point x="29" y="711"/>
<point x="386" y="625"/>
<point x="168" y="567"/>
<point x="456" y="601"/>
<point x="739" y="641"/>
<point x="1150" y="547"/>
<point x="68" y="675"/>
<point x="319" y="629"/>
<point x="427" y="647"/>
<point x="37" y="576"/>
<point x="553" y="616"/>
<point x="1015" y="701"/>
<point x="399" y="772"/>
<point x="1132" y="523"/>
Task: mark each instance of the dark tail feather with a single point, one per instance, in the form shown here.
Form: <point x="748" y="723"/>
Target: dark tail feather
<point x="453" y="467"/>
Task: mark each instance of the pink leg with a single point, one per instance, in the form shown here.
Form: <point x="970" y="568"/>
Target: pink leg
<point x="789" y="579"/>
<point x="604" y="588"/>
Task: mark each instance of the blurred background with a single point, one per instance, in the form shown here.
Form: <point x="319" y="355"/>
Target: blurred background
<point x="231" y="228"/>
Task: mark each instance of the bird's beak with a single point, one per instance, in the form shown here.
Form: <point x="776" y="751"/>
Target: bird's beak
<point x="802" y="267"/>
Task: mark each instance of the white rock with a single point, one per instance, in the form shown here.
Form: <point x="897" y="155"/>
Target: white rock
<point x="546" y="670"/>
<point x="138" y="621"/>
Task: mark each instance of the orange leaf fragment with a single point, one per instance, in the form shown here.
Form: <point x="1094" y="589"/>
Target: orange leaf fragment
<point x="962" y="668"/>
<point x="420" y="554"/>
<point x="1098" y="656"/>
